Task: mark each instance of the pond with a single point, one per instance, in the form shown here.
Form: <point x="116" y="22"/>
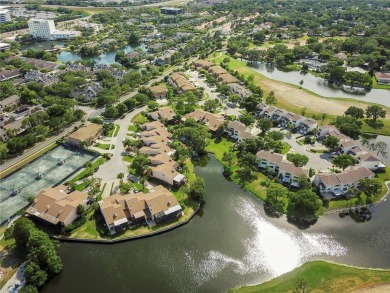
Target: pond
<point x="319" y="85"/>
<point x="232" y="242"/>
<point x="24" y="180"/>
<point x="65" y="56"/>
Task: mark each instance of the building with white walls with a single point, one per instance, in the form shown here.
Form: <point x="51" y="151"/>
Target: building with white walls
<point x="5" y="15"/>
<point x="45" y="29"/>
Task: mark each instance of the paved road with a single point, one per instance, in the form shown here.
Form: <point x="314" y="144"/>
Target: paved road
<point x="27" y="153"/>
<point x="315" y="160"/>
<point x="212" y="95"/>
<point x="90" y="113"/>
<point x="17" y="278"/>
<point x="115" y="165"/>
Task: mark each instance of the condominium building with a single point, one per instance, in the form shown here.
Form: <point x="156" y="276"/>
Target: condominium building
<point x="5" y="16"/>
<point x="46" y="29"/>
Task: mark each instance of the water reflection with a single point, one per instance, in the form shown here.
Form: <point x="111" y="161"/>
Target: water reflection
<point x="270" y="249"/>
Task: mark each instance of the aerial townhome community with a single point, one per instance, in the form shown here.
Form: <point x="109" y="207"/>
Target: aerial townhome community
<point x="148" y="146"/>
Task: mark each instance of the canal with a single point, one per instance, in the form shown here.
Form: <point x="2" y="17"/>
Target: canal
<point x="319" y="85"/>
<point x="232" y="242"/>
<point x="24" y="180"/>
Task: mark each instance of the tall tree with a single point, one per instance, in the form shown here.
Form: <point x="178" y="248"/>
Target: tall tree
<point x="370" y="186"/>
<point x="355" y="112"/>
<point x="274" y="193"/>
<point x="374" y="112"/>
<point x="264" y="124"/>
<point x="344" y="161"/>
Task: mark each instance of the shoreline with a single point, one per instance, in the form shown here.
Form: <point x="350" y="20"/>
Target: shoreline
<point x="129" y="238"/>
<point x="329" y="212"/>
<point x="318" y="262"/>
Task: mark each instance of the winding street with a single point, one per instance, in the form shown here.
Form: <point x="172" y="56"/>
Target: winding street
<point x="116" y="165"/>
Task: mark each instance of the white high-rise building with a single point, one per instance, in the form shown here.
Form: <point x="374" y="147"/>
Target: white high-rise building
<point x="46" y="29"/>
<point x="5" y="16"/>
<point x="41" y="28"/>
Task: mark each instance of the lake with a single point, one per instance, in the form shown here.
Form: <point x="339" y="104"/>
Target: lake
<point x="230" y="243"/>
<point x="65" y="56"/>
<point x="319" y="85"/>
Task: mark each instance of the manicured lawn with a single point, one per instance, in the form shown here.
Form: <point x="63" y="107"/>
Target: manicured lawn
<point x="344" y="204"/>
<point x="323" y="277"/>
<point x="132" y="128"/>
<point x="139" y="118"/>
<point x="128" y="159"/>
<point x="286" y="148"/>
<point x="113" y="132"/>
<point x="380" y="127"/>
<point x="117" y="127"/>
<point x="219" y="148"/>
<point x="375" y="85"/>
<point x="103" y="146"/>
<point x="86" y="172"/>
<point x="285" y="104"/>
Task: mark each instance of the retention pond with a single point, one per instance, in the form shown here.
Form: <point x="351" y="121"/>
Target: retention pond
<point x="232" y="242"/>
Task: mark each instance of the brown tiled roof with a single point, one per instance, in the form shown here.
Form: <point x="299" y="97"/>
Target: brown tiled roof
<point x="292" y="169"/>
<point x="160" y="200"/>
<point x="329" y="179"/>
<point x="153" y="125"/>
<point x="227" y="78"/>
<point x="55" y="204"/>
<point x="271" y="157"/>
<point x="159" y="89"/>
<point x="217" y="70"/>
<point x="385" y="75"/>
<point x="367" y="156"/>
<point x="211" y="120"/>
<point x="237" y="126"/>
<point x="163" y="113"/>
<point x="346" y="177"/>
<point x="203" y="63"/>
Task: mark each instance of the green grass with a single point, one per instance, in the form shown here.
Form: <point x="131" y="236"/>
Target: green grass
<point x="380" y="127"/>
<point x="323" y="277"/>
<point x="94" y="226"/>
<point x="375" y="85"/>
<point x="283" y="103"/>
<point x="286" y="148"/>
<point x="100" y="195"/>
<point x="140" y="118"/>
<point x="128" y="159"/>
<point x="112" y="187"/>
<point x="132" y="128"/>
<point x="117" y="127"/>
<point x="113" y="132"/>
<point x="103" y="146"/>
<point x="218" y="148"/>
<point x="87" y="171"/>
<point x="344" y="204"/>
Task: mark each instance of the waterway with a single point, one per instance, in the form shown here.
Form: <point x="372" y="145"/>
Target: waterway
<point x="65" y="56"/>
<point x="232" y="242"/>
<point x="24" y="180"/>
<point x="319" y="85"/>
